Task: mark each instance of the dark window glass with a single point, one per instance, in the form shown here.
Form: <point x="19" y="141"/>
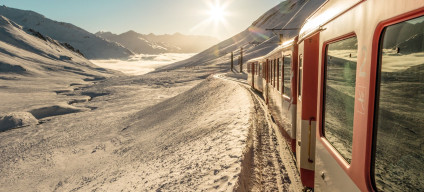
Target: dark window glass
<point x="399" y="139"/>
<point x="275" y="71"/>
<point x="272" y="72"/>
<point x="287" y="75"/>
<point x="269" y="75"/>
<point x="299" y="83"/>
<point x="340" y="78"/>
<point x="278" y="74"/>
<point x="280" y="77"/>
<point x="260" y="69"/>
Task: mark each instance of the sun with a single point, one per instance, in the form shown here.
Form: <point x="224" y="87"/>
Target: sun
<point x="215" y="18"/>
<point x="217" y="12"/>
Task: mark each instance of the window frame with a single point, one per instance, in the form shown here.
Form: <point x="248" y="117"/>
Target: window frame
<point x="330" y="148"/>
<point x="299" y="77"/>
<point x="291" y="66"/>
<point x="275" y="71"/>
<point x="278" y="73"/>
<point x="375" y="84"/>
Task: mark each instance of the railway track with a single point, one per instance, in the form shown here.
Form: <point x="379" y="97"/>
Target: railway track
<point x="270" y="165"/>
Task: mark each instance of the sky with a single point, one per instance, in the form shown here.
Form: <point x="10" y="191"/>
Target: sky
<point x="219" y="18"/>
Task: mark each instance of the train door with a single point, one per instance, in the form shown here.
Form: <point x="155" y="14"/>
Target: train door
<point x="253" y="74"/>
<point x="268" y="79"/>
<point x="306" y="108"/>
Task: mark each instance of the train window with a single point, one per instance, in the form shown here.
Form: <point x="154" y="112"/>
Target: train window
<point x="275" y="70"/>
<point x="260" y="69"/>
<point x="339" y="94"/>
<point x="299" y="83"/>
<point x="278" y="73"/>
<point x="399" y="124"/>
<point x="256" y="68"/>
<point x="270" y="72"/>
<point x="248" y="68"/>
<point x="287" y="75"/>
<point x="272" y="69"/>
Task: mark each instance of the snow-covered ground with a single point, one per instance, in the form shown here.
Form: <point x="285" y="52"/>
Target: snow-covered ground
<point x="72" y="126"/>
<point x="142" y="64"/>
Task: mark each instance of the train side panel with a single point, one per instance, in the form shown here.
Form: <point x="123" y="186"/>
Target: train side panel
<point x="349" y="55"/>
<point x="306" y="108"/>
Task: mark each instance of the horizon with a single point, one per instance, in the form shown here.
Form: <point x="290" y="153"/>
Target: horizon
<point x="214" y="18"/>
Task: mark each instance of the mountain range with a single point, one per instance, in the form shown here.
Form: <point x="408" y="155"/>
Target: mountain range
<point x="154" y="44"/>
<point x="106" y="45"/>
<point x="92" y="46"/>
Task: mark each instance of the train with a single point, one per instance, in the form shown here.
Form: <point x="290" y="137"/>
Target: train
<point x="347" y="94"/>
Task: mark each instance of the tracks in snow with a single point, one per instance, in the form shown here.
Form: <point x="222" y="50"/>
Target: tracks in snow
<point x="268" y="164"/>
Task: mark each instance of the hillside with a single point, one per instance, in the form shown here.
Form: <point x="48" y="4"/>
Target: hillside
<point x="34" y="66"/>
<point x="90" y="45"/>
<point x="255" y="40"/>
<point x="154" y="44"/>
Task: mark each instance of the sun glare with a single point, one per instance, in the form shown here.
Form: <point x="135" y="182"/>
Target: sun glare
<point x="216" y="17"/>
<point x="217" y="13"/>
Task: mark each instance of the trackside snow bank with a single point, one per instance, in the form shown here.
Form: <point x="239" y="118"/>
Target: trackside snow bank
<point x="194" y="141"/>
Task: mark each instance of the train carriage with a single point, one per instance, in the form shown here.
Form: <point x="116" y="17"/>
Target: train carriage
<point x="255" y="73"/>
<point x="369" y="94"/>
<point x="348" y="95"/>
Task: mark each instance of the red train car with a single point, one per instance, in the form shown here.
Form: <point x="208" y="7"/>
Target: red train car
<point x="370" y="94"/>
<point x="354" y="115"/>
<point x="255" y="75"/>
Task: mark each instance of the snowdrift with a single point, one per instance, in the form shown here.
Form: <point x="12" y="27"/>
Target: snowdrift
<point x="193" y="141"/>
<point x="15" y="120"/>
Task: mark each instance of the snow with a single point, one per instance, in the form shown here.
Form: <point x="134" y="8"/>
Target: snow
<point x="287" y="14"/>
<point x="142" y="63"/>
<point x="178" y="128"/>
<point x="90" y="45"/>
<point x="14" y="120"/>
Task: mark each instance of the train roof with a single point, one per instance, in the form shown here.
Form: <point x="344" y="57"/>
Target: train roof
<point x="255" y="59"/>
<point x="285" y="45"/>
<point x="328" y="11"/>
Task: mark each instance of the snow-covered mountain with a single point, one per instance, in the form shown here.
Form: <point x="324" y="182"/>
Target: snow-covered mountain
<point x="154" y="44"/>
<point x="30" y="54"/>
<point x="92" y="46"/>
<point x="256" y="40"/>
<point x="134" y="42"/>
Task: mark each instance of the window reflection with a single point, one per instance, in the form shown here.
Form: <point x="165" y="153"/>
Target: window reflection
<point x="399" y="153"/>
<point x="339" y="100"/>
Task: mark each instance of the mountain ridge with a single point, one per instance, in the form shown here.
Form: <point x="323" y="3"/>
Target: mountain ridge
<point x="89" y="44"/>
<point x="155" y="44"/>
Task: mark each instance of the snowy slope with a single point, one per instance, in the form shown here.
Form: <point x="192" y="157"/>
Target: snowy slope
<point x="256" y="40"/>
<point x="89" y="44"/>
<point x="154" y="44"/>
<point x="33" y="66"/>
